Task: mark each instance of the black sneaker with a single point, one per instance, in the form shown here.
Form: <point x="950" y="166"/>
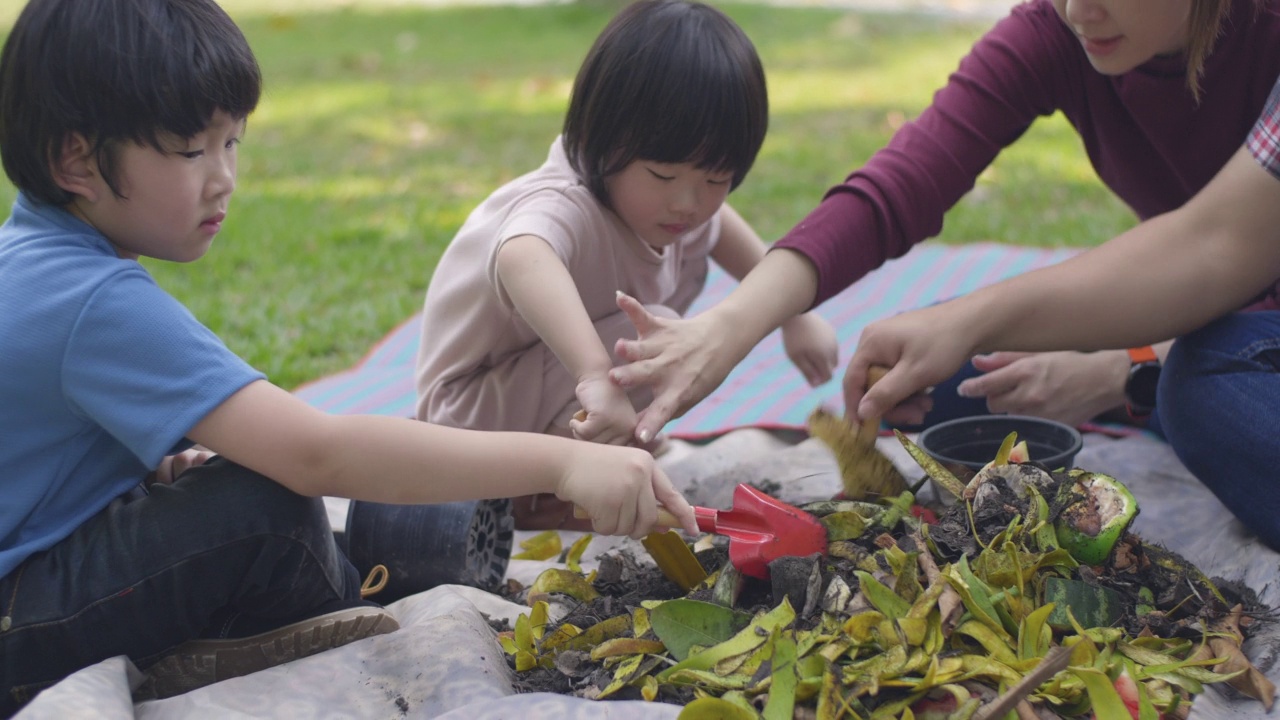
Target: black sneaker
<point x="198" y="663"/>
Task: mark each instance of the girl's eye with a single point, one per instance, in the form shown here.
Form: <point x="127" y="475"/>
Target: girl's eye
<point x="232" y="143"/>
<point x="720" y="181"/>
<point x="191" y="154"/>
<point x="660" y="177"/>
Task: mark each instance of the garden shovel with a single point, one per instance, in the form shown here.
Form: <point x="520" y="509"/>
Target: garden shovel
<point x="760" y="529"/>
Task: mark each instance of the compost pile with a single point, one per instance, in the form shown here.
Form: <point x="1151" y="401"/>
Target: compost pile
<point x="943" y="617"/>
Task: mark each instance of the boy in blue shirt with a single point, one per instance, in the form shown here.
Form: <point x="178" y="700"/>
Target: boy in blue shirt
<point x="119" y="124"/>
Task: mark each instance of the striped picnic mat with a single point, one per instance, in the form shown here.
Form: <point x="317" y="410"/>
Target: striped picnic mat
<point x="765" y="390"/>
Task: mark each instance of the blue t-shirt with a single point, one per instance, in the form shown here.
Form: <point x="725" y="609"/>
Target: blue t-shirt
<point x="102" y="374"/>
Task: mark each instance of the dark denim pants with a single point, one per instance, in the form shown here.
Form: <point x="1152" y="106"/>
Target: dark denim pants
<point x="1219" y="402"/>
<point x="221" y="552"/>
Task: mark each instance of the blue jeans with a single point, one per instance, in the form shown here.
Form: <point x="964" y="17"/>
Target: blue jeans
<point x="1218" y="401"/>
<point x="223" y="552"/>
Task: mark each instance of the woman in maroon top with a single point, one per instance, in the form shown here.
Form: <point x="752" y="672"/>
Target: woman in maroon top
<point x="1161" y="92"/>
<point x="1219" y="393"/>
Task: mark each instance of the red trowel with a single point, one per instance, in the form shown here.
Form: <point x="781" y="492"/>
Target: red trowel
<point x="760" y="529"/>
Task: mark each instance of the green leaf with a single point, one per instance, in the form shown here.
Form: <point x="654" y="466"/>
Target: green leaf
<point x="747" y="639"/>
<point x="1102" y="694"/>
<point x="680" y="624"/>
<point x="710" y="708"/>
<point x="881" y="597"/>
<point x="782" y="685"/>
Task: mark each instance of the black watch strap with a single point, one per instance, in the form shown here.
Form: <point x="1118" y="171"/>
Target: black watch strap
<point x="1144" y="377"/>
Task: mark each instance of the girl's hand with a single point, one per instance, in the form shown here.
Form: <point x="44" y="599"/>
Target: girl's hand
<point x="609" y="417"/>
<point x="811" y="343"/>
<point x="174" y="465"/>
<point x="680" y="360"/>
<point x="620" y="488"/>
<point x="1070" y="387"/>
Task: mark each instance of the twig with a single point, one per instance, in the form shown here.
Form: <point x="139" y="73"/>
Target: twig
<point x="1052" y="664"/>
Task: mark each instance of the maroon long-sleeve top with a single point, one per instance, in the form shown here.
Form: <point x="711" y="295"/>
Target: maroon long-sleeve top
<point x="1145" y="134"/>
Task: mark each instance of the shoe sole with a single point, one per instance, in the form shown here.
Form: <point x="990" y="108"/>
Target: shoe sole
<point x="198" y="663"/>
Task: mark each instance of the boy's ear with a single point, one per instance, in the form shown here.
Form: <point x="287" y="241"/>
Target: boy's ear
<point x="74" y="168"/>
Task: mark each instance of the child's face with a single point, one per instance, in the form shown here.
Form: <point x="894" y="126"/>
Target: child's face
<point x="660" y="202"/>
<point x="174" y="202"/>
<point x="1120" y="35"/>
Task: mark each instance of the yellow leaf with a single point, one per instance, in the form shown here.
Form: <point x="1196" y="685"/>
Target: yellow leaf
<point x="543" y="546"/>
<point x="573" y="558"/>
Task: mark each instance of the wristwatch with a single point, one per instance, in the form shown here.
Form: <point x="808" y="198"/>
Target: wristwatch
<point x="1140" y="388"/>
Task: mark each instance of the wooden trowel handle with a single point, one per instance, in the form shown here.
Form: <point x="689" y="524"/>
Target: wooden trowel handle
<point x="870" y="427"/>
<point x="664" y="516"/>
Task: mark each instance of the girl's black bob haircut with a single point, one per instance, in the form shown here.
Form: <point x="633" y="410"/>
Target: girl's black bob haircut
<point x="115" y="71"/>
<point x="669" y="81"/>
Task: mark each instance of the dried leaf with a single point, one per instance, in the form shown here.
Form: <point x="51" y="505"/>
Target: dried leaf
<point x="565" y="582"/>
<point x="573" y="558"/>
<point x="543" y="546"/>
<point x="626" y="646"/>
<point x="674" y="558"/>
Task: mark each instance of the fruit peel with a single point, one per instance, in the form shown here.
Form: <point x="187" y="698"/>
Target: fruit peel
<point x="1097" y="511"/>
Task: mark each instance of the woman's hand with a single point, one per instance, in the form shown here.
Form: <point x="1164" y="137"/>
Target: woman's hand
<point x="811" y="343"/>
<point x="680" y="360"/>
<point x="1070" y="387"/>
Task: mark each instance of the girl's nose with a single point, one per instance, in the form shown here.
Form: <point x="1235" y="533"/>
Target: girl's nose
<point x="684" y="200"/>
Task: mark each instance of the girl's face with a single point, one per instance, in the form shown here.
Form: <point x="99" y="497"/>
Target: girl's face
<point x="1120" y="35"/>
<point x="174" y="202"/>
<point x="660" y="202"/>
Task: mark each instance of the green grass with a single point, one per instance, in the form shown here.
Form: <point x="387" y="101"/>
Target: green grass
<point x="384" y="124"/>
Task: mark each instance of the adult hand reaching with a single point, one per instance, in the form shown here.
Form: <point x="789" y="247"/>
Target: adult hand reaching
<point x="1070" y="387"/>
<point x="921" y="348"/>
<point x="680" y="360"/>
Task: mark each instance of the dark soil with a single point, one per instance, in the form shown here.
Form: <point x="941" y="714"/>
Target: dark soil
<point x="1180" y="599"/>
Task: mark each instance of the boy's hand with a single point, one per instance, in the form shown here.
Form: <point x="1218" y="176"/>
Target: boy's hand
<point x="620" y="488"/>
<point x="609" y="417"/>
<point x="174" y="465"/>
<point x="811" y="343"/>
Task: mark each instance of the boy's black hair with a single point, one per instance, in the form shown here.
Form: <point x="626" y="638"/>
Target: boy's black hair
<point x="668" y="81"/>
<point x="115" y="71"/>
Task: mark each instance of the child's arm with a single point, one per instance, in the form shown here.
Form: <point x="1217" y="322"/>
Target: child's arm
<point x="545" y="295"/>
<point x="398" y="460"/>
<point x="809" y="340"/>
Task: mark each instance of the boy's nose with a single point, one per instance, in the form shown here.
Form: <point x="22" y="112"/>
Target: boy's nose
<point x="223" y="180"/>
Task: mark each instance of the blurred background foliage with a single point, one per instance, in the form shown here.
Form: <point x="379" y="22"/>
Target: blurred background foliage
<point x="384" y="123"/>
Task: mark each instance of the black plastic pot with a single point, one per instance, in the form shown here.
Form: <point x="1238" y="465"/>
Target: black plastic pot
<point x="974" y="441"/>
<point x="422" y="546"/>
